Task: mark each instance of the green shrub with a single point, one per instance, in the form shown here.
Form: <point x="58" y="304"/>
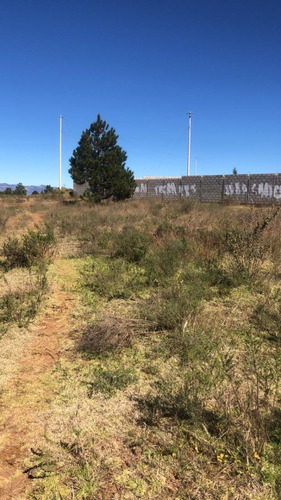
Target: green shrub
<point x="112" y="278"/>
<point x="266" y="316"/>
<point x="131" y="244"/>
<point x="247" y="245"/>
<point x="108" y="379"/>
<point x="169" y="308"/>
<point x="104" y="240"/>
<point x="180" y="298"/>
<point x="164" y="260"/>
<point x="209" y="248"/>
<point x="21" y="306"/>
<point x="32" y="249"/>
<point x="183" y="392"/>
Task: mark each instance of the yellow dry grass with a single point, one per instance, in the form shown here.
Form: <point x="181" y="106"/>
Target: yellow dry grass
<point x="100" y="425"/>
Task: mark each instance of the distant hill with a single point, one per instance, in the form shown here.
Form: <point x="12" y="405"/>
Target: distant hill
<point x="29" y="189"/>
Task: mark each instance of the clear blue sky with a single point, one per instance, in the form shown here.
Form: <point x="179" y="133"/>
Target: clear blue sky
<point x="142" y="65"/>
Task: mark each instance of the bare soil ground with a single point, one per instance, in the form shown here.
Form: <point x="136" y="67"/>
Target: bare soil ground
<point x="25" y="389"/>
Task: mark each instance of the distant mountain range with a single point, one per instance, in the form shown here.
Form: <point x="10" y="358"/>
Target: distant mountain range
<point x="29" y="189"/>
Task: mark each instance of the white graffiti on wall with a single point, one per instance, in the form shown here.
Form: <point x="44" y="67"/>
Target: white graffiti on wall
<point x="263" y="189"/>
<point x="171" y="189"/>
<point x="235" y="189"/>
<point x="168" y="189"/>
<point x="187" y="190"/>
<point x="277" y="192"/>
<point x="142" y="189"/>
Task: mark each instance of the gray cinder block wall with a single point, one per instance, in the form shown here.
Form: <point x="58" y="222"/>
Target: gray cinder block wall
<point x="253" y="189"/>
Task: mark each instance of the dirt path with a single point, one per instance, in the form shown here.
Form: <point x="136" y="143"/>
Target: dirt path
<point x="26" y="392"/>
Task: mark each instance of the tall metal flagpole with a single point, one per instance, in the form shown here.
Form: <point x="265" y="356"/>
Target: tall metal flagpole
<point x="60" y="151"/>
<point x="189" y="143"/>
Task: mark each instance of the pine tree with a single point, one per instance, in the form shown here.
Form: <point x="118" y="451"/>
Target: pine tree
<point x="20" y="190"/>
<point x="48" y="189"/>
<point x="99" y="161"/>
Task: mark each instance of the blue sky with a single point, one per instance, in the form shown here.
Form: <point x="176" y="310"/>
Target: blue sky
<point x="142" y="65"/>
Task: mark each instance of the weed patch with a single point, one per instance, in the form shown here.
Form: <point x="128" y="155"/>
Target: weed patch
<point x="113" y="278"/>
<point x="173" y="388"/>
<point x="34" y="248"/>
<point x="20" y="307"/>
<point x="131" y="244"/>
<point x="109" y="379"/>
<point x="248" y="246"/>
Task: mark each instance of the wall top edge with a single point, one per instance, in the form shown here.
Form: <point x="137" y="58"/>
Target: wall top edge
<point x="154" y="178"/>
<point x="204" y="176"/>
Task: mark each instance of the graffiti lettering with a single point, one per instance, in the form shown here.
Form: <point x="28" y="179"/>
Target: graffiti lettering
<point x="182" y="187"/>
<point x="171" y="188"/>
<point x="238" y="188"/>
<point x="254" y="189"/>
<point x="186" y="190"/>
<point x="229" y="189"/>
<point x="142" y="188"/>
<point x="265" y="190"/>
<point x="277" y="192"/>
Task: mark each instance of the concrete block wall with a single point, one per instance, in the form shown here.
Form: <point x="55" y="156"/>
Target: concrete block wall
<point x="265" y="187"/>
<point x="236" y="188"/>
<point x="212" y="188"/>
<point x="253" y="189"/>
<point x="191" y="187"/>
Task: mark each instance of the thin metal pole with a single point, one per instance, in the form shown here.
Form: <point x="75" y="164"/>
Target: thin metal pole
<point x="60" y="151"/>
<point x="189" y="143"/>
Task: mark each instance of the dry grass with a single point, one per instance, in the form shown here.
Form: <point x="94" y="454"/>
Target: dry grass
<point x="17" y="280"/>
<point x="171" y="387"/>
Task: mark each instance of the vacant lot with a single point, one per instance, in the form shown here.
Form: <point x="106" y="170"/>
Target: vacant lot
<point x="139" y="350"/>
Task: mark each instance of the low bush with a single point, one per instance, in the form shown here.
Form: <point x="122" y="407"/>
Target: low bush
<point x="266" y="316"/>
<point x="113" y="278"/>
<point x="164" y="260"/>
<point x="183" y="392"/>
<point x="131" y="244"/>
<point x="34" y="248"/>
<point x="181" y="297"/>
<point x="21" y="306"/>
<point x="248" y="246"/>
<point x="169" y="308"/>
